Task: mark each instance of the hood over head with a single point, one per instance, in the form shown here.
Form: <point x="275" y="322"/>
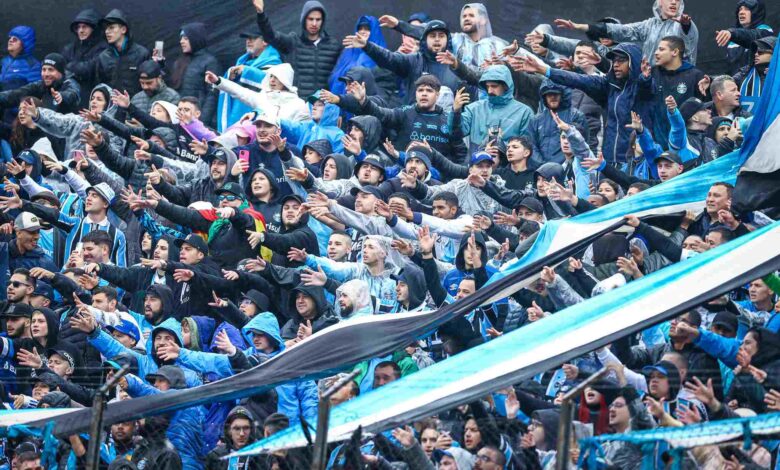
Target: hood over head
<point x="307" y="8"/>
<point x="88" y="16"/>
<point x="26" y="34"/>
<point x="201" y="331"/>
<point x="464" y="460"/>
<point x="167" y="135"/>
<point x="165" y="294"/>
<point x="608" y="248"/>
<point x="634" y="53"/>
<point x="344" y="167"/>
<point x="173" y="250"/>
<point x="372" y="131"/>
<point x="106" y="91"/>
<point x="657" y="9"/>
<point x="321" y="306"/>
<point x="52" y="323"/>
<point x="266" y="323"/>
<point x="549" y="419"/>
<point x="330" y="115"/>
<point x="284" y="73"/>
<point x="548" y="86"/>
<point x="197" y="34"/>
<point x="358" y="292"/>
<point x="321" y="146"/>
<point x="170" y="108"/>
<point x="757" y="10"/>
<point x="479" y="237"/>
<point x="499" y="73"/>
<point x="768" y="347"/>
<point x="432" y="26"/>
<point x="414" y="277"/>
<point x="717" y="121"/>
<point x="483" y="19"/>
<point x="271" y="179"/>
<point x="114" y="16"/>
<point x="171" y="326"/>
<point x="173" y="374"/>
<point x="363" y="75"/>
<point x="550" y="170"/>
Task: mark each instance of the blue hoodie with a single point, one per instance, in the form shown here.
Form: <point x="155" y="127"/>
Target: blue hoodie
<point x="543" y="131"/>
<point x="229" y="109"/>
<point x="353" y="57"/>
<point x="295" y="399"/>
<point x="24" y="69"/>
<point x="502" y="111"/>
<point x="300" y="133"/>
<point x="619" y="96"/>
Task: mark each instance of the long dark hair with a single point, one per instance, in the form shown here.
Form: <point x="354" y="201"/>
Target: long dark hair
<point x="19" y="133"/>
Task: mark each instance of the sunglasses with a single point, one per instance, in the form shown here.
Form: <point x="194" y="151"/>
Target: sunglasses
<point x="229" y="198"/>
<point x="18" y="284"/>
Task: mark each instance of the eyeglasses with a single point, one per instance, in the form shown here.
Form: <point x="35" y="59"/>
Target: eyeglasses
<point x="18" y="284"/>
<point x="229" y="198"/>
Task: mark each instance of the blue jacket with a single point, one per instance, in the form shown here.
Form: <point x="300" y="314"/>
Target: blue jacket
<point x="510" y="115"/>
<point x="271" y="161"/>
<point x="185" y="430"/>
<point x="719" y="347"/>
<point x="295" y="399"/>
<point x="229" y="109"/>
<point x="300" y="133"/>
<point x="24" y="69"/>
<point x="618" y="96"/>
<point x="351" y="57"/>
<point x="542" y="130"/>
<point x="11" y="259"/>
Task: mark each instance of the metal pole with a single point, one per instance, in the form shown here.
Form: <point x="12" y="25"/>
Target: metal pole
<point x="320" y="457"/>
<point x="567" y="415"/>
<point x="95" y="427"/>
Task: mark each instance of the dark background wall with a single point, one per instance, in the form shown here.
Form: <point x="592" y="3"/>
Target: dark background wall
<point x="160" y="19"/>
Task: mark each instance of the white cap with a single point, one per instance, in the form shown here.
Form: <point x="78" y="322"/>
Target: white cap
<point x="27" y="221"/>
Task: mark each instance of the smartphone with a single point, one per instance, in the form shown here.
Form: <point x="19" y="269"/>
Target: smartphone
<point x="243" y="155"/>
<point x="79" y="248"/>
<point x="78" y="155"/>
<point x="158" y="48"/>
<point x="682" y="402"/>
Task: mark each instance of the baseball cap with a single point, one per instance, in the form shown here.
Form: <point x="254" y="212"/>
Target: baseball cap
<point x="250" y="34"/>
<point x="65" y="351"/>
<point x="480" y="157"/>
<point x="671" y="156"/>
<point x="104" y="190"/>
<point x="372" y="160"/>
<point x="221" y="154"/>
<point x="725" y="320"/>
<point x="18" y="310"/>
<point x="43" y="289"/>
<point x="195" y="241"/>
<point x="174" y="375"/>
<point x="617" y="54"/>
<point x="532" y="204"/>
<point x="149" y="69"/>
<point x="28" y="222"/>
<point x="665" y="368"/>
<point x="692" y="106"/>
<point x="373" y="190"/>
<point x="48" y="196"/>
<point x="232" y="188"/>
<point x="261" y="301"/>
<point x="127" y="326"/>
<point x="27" y="156"/>
<point x="267" y="118"/>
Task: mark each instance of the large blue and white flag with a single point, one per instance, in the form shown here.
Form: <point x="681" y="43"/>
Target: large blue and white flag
<point x="757" y="186"/>
<point x="548" y="343"/>
<point x="357" y="340"/>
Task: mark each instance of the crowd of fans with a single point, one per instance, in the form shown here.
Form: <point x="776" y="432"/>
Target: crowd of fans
<point x="192" y="219"/>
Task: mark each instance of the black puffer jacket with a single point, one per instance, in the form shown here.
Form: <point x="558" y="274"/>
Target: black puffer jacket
<point x="120" y="69"/>
<point x="312" y="63"/>
<point x="190" y="82"/>
<point x="82" y="55"/>
<point x="215" y="460"/>
<point x="68" y="89"/>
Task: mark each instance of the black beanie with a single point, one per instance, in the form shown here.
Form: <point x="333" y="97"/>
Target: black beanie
<point x="55" y="60"/>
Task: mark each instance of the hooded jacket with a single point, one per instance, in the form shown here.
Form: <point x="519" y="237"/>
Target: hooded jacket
<point x="542" y="130"/>
<point x="201" y="332"/>
<point x="230" y="110"/>
<point x="738" y="49"/>
<point x="411" y="66"/>
<point x="454" y="276"/>
<point x="619" y="97"/>
<point x="352" y="57"/>
<point x="649" y="33"/>
<point x="357" y="292"/>
<point x="751" y="78"/>
<point x="70" y="126"/>
<point x="82" y="55"/>
<point x="11" y="259"/>
<point x="119" y="69"/>
<point x="312" y="62"/>
<point x="203" y="189"/>
<point x="372" y="132"/>
<point x="413" y="276"/>
<point x="323" y="149"/>
<point x="503" y="112"/>
<point x="285" y="104"/>
<point x="325" y="314"/>
<point x="271" y="210"/>
<point x="23" y="69"/>
<point x="189" y="69"/>
<point x="298" y="236"/>
<point x="300" y="133"/>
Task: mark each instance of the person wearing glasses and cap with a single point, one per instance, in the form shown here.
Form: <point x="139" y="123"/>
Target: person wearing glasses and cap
<point x="23" y="250"/>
